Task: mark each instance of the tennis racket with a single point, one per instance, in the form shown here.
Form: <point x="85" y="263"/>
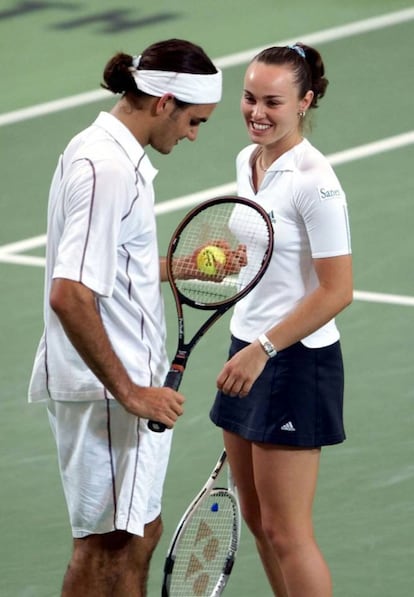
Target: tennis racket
<point x="218" y="253"/>
<point x="204" y="546"/>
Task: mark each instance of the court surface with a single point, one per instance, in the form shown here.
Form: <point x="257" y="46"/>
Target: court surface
<point x="53" y="55"/>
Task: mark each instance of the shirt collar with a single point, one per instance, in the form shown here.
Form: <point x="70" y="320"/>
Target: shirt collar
<point x="128" y="142"/>
<point x="286" y="162"/>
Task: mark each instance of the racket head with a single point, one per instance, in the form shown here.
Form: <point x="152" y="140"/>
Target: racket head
<point x="230" y="219"/>
<point x="205" y="544"/>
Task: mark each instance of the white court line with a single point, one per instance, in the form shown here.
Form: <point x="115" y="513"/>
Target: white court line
<point x="23" y="259"/>
<point x="24" y="245"/>
<point x="381" y="297"/>
<point x="370" y="149"/>
<point x="319" y="37"/>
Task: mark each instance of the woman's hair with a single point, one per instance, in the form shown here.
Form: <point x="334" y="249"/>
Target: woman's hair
<point x="174" y="55"/>
<point x="305" y="62"/>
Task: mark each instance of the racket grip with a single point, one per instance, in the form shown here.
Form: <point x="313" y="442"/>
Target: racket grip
<point x="174" y="377"/>
<point x="157" y="427"/>
<point x="173" y="380"/>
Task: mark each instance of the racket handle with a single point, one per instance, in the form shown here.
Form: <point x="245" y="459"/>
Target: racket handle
<point x="174" y="377"/>
<point x="157" y="427"/>
<point x="173" y="380"/>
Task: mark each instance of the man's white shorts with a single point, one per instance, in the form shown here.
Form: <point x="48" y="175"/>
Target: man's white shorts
<point x="112" y="466"/>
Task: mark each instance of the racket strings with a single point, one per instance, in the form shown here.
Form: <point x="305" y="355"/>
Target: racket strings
<point x="207" y="542"/>
<point x="240" y="231"/>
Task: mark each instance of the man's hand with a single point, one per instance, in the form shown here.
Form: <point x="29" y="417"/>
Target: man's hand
<point x="163" y="405"/>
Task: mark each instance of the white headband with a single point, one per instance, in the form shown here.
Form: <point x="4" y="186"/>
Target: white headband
<point x="193" y="89"/>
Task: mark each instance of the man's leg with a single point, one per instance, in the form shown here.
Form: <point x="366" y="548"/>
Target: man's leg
<point x="112" y="564"/>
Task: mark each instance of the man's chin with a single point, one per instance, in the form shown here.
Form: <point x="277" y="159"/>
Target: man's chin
<point x="164" y="150"/>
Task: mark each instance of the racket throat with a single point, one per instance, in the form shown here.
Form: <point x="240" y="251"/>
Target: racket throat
<point x="180" y="360"/>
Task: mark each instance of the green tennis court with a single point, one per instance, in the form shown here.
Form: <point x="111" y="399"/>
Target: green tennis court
<point x="53" y="53"/>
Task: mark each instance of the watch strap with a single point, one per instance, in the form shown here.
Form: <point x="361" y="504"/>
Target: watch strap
<point x="267" y="346"/>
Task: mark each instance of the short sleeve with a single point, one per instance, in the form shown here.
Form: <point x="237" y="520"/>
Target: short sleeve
<point x="95" y="196"/>
<point x="322" y="204"/>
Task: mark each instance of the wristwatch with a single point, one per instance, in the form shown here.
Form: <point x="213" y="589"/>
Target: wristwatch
<point x="267" y="346"/>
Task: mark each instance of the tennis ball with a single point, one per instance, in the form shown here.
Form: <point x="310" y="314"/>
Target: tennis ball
<point x="209" y="258"/>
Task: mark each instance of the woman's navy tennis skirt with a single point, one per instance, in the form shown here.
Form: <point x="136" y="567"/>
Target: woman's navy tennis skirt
<point x="296" y="401"/>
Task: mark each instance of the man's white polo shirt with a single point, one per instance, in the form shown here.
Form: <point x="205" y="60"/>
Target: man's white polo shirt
<point x="102" y="233"/>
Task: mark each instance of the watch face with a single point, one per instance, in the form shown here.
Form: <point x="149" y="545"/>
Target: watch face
<point x="268" y="346"/>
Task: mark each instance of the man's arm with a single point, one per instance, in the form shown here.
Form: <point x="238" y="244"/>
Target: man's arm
<point x="75" y="305"/>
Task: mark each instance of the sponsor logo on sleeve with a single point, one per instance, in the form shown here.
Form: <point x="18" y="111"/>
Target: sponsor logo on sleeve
<point x="326" y="193"/>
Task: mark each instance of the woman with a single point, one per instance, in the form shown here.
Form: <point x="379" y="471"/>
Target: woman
<point x="280" y="395"/>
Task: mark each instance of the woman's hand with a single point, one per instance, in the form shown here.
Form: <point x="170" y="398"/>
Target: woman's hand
<point x="241" y="371"/>
<point x="185" y="268"/>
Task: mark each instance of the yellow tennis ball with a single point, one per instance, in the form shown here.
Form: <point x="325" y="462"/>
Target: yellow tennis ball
<point x="209" y="258"/>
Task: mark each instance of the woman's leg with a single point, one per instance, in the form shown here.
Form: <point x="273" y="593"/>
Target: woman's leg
<point x="285" y="480"/>
<point x="239" y="452"/>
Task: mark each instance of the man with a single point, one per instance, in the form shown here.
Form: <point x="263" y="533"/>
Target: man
<point x="101" y="361"/>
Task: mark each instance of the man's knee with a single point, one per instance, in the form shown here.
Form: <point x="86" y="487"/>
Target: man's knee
<point x="153" y="530"/>
<point x="110" y="549"/>
<point x="103" y="546"/>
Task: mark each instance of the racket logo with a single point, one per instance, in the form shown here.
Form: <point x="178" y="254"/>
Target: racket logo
<point x="181" y="326"/>
<point x="204" y="550"/>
